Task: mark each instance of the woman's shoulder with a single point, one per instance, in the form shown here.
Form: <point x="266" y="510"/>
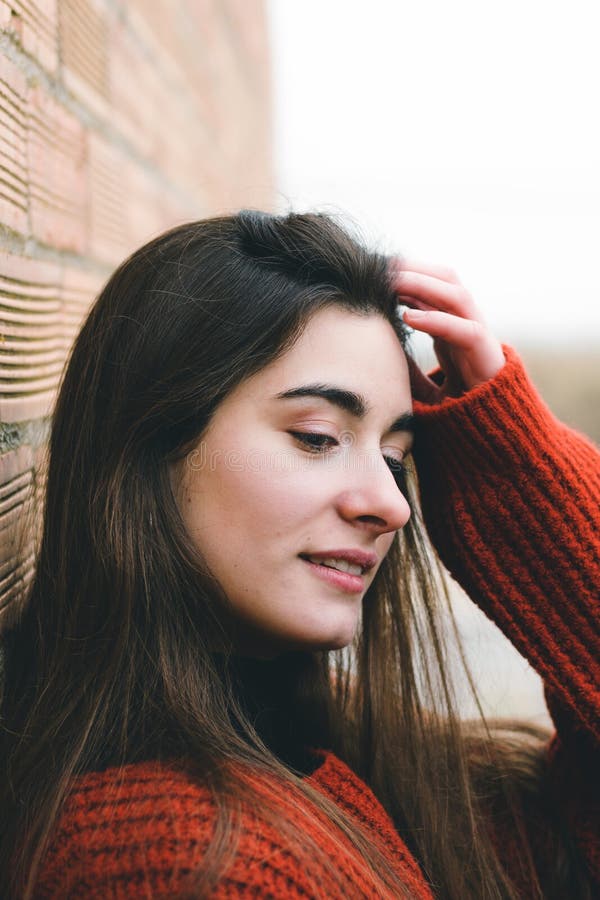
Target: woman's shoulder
<point x="134" y="780"/>
<point x="119" y="831"/>
<point x="128" y="797"/>
<point x="143" y="828"/>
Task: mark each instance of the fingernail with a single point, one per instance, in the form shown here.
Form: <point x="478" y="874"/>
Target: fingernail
<point x="415" y="313"/>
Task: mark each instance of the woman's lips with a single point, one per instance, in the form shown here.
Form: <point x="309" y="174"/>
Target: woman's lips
<point x="351" y="584"/>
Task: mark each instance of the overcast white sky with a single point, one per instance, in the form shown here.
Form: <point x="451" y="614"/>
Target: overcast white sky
<point x="461" y="132"/>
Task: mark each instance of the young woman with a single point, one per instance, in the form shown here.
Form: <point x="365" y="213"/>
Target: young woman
<point x="230" y="677"/>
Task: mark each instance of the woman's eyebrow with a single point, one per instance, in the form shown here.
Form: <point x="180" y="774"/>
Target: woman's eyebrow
<point x="349" y="401"/>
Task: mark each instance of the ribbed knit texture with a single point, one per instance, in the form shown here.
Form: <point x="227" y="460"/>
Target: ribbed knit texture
<point x="144" y="841"/>
<point x="511" y="501"/>
<point x="523" y="542"/>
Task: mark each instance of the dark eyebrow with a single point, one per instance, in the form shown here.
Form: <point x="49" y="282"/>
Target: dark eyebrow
<point x="346" y="400"/>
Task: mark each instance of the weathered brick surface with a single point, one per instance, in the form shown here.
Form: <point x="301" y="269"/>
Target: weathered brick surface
<point x="17" y="537"/>
<point x="13" y="146"/>
<point x="117" y="120"/>
<point x="33" y="26"/>
<point x="31" y="337"/>
<point x="77" y="290"/>
<point x="58" y="177"/>
<point x="84" y="43"/>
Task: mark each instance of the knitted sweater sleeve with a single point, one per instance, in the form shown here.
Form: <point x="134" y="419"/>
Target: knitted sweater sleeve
<point x="510" y="497"/>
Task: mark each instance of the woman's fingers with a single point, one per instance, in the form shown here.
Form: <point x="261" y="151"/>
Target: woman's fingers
<point x="470" y="354"/>
<point x="417" y="288"/>
<point x="464" y="333"/>
<point x="444" y="273"/>
<point x="406" y="300"/>
<point x="429" y="286"/>
<point x="440" y="306"/>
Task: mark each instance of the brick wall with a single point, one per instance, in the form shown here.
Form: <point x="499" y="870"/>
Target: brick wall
<point x="118" y="118"/>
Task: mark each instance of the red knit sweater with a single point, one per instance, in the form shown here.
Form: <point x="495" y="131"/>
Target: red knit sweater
<point x="510" y="498"/>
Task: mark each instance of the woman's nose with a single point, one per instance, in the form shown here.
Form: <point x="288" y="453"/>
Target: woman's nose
<point x="375" y="500"/>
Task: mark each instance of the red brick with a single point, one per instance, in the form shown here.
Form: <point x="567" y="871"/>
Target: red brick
<point x="13" y="147"/>
<point x="5" y="16"/>
<point x="156" y="103"/>
<point x="109" y="199"/>
<point x="31" y="337"/>
<point x="171" y="121"/>
<point x="18" y="531"/>
<point x="78" y="291"/>
<point x="84" y="28"/>
<point x="57" y="148"/>
<point x="33" y="25"/>
<point x="248" y="24"/>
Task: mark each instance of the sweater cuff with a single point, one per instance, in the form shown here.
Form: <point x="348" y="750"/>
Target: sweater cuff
<point x="494" y="421"/>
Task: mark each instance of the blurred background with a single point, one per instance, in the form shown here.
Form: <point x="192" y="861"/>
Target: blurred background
<point x="464" y="134"/>
<point x="461" y="133"/>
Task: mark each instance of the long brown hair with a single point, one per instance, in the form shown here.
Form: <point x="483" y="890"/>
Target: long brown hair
<point x="122" y="650"/>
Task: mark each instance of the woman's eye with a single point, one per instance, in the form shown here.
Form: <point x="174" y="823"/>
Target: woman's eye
<point x="317" y="442"/>
<point x="314" y="440"/>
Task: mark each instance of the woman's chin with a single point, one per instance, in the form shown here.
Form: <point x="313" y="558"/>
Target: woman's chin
<point x="335" y="638"/>
<point x="261" y="645"/>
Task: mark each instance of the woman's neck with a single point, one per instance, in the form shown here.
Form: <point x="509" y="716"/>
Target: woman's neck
<point x="273" y="695"/>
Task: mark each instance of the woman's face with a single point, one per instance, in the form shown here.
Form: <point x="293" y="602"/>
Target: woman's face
<point x="291" y="469"/>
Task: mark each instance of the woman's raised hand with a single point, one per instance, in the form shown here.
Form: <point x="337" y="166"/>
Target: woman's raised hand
<point x="439" y="305"/>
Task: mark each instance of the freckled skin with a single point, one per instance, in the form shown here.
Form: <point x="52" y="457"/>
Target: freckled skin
<point x="253" y="497"/>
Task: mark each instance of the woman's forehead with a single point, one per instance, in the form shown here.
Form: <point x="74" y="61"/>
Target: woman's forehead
<point x="338" y="342"/>
<point x="341" y="350"/>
